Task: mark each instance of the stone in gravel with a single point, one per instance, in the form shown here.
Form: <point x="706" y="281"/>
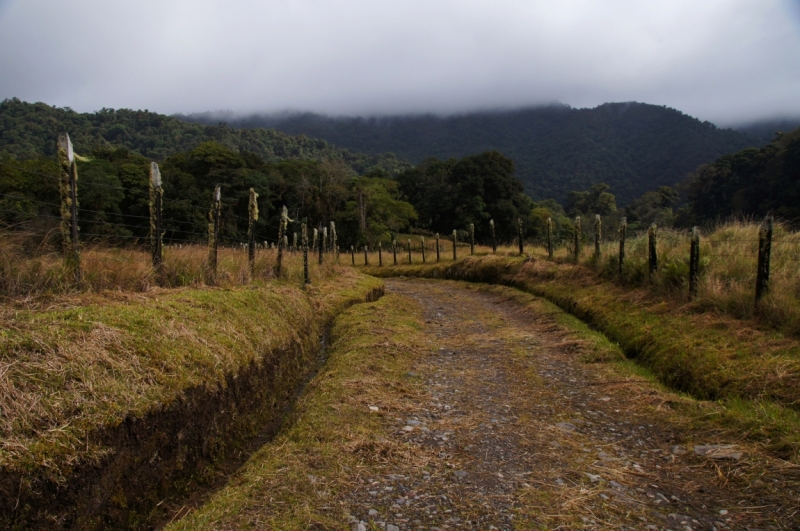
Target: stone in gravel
<point x="408" y="428"/>
<point x="460" y="474"/>
<point x="413" y="422"/>
<point x="359" y="526"/>
<point x="594" y="478"/>
<point x="566" y="426"/>
<point x="373" y="512"/>
<point x="392" y="527"/>
<point x="678" y="449"/>
<point x="559" y="482"/>
<point x="718" y="451"/>
<point x="373" y="409"/>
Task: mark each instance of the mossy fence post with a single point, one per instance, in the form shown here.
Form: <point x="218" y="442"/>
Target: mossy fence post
<point x="294" y="241"/>
<point x="494" y="236"/>
<point x="366" y="258"/>
<point x="437" y="247"/>
<point x="471" y="239"/>
<point x="764" y="251"/>
<point x="409" y="250"/>
<point x="519" y="231"/>
<point x="694" y="262"/>
<point x="394" y="251"/>
<point x="455" y="241"/>
<point x="577" y="243"/>
<point x="252" y="211"/>
<point x="652" y="251"/>
<point x="68" y="186"/>
<point x="353" y="254"/>
<point x="380" y="254"/>
<point x="156" y="232"/>
<point x="334" y="242"/>
<point x="213" y="235"/>
<point x="623" y="229"/>
<point x="314" y="241"/>
<point x="304" y="231"/>
<point x="597" y="234"/>
<point x="550" y="238"/>
<point x="422" y="247"/>
<point x="282" y="226"/>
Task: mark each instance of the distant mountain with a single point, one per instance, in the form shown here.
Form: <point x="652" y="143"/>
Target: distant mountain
<point x="633" y="147"/>
<point x="31" y="129"/>
<point x="764" y="131"/>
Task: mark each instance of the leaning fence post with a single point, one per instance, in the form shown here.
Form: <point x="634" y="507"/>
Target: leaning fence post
<point x="550" y="238"/>
<point x="68" y="185"/>
<point x="694" y="262"/>
<point x="437" y="247"/>
<point x="623" y="229"/>
<point x="304" y="231"/>
<point x="519" y="230"/>
<point x="597" y="234"/>
<point x="213" y="235"/>
<point x="252" y="211"/>
<point x="764" y="251"/>
<point x="577" y="239"/>
<point x="455" y="240"/>
<point x="422" y="246"/>
<point x="471" y="239"/>
<point x="494" y="237"/>
<point x="652" y="250"/>
<point x="409" y="250"/>
<point x="380" y="254"/>
<point x="394" y="251"/>
<point x="156" y="203"/>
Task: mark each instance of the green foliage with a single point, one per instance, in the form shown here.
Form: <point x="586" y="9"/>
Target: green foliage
<point x="752" y="182"/>
<point x="633" y="147"/>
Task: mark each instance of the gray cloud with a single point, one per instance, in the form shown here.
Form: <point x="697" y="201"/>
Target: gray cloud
<point x="720" y="60"/>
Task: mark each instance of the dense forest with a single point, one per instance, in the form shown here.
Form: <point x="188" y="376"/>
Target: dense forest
<point x="632" y="147"/>
<point x="29" y="130"/>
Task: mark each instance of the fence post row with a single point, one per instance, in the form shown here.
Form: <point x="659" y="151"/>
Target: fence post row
<point x="519" y="230"/>
<point x="597" y="231"/>
<point x="764" y="251"/>
<point x="577" y="238"/>
<point x="694" y="262"/>
<point x="455" y="238"/>
<point x="252" y="217"/>
<point x="213" y="235"/>
<point x="652" y="251"/>
<point x="550" y="238"/>
<point x="68" y="187"/>
<point x="156" y="205"/>
<point x="437" y="247"/>
<point x="471" y="239"/>
<point x="304" y="231"/>
<point x="494" y="237"/>
<point x="623" y="229"/>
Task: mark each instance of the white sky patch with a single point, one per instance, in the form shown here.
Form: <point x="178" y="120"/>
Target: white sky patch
<point x="720" y="60"/>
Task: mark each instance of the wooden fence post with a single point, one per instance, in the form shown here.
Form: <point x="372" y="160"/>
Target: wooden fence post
<point x="282" y="226"/>
<point x="623" y="229"/>
<point x="314" y="241"/>
<point x="156" y="232"/>
<point x="437" y="247"/>
<point x="652" y="250"/>
<point x="409" y="250"/>
<point x="494" y="236"/>
<point x="380" y="254"/>
<point x="323" y="236"/>
<point x="304" y="231"/>
<point x="578" y="235"/>
<point x="597" y="234"/>
<point x="213" y="235"/>
<point x="550" y="238"/>
<point x="471" y="239"/>
<point x="422" y="246"/>
<point x="394" y="251"/>
<point x="252" y="211"/>
<point x="455" y="240"/>
<point x="764" y="251"/>
<point x="694" y="262"/>
<point x="353" y="254"/>
<point x="294" y="242"/>
<point x="366" y="258"/>
<point x="68" y="186"/>
<point x="519" y="227"/>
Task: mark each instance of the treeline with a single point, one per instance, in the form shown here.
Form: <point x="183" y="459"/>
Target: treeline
<point x="30" y="130"/>
<point x="632" y="147"/>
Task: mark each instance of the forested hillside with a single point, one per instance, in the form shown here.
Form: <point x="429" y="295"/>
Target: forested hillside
<point x="633" y="147"/>
<point x="29" y="130"/>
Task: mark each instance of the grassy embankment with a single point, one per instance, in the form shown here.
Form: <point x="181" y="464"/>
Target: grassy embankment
<point x="113" y="401"/>
<point x="712" y="347"/>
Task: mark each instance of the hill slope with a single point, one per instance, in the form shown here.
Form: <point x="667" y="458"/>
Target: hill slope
<point x="634" y="147"/>
<point x="31" y="129"/>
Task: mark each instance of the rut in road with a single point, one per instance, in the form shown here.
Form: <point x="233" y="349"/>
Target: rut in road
<point x="523" y="434"/>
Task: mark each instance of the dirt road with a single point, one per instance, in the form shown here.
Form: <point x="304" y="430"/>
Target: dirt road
<point x="525" y="435"/>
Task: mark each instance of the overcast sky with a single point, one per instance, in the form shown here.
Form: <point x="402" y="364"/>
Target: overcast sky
<point x="720" y="60"/>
